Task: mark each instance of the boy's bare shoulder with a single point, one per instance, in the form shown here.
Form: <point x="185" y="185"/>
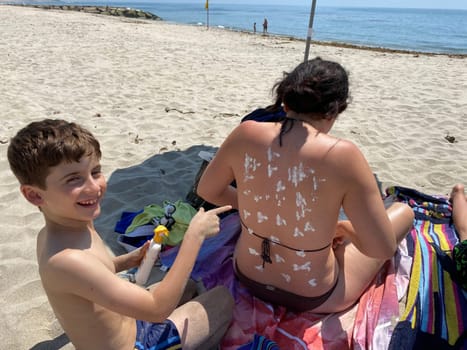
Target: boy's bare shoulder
<point x="70" y="266"/>
<point x="62" y="260"/>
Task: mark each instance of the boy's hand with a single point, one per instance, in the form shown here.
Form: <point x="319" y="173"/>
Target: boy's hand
<point x="131" y="259"/>
<point x="206" y="223"/>
<point x="135" y="256"/>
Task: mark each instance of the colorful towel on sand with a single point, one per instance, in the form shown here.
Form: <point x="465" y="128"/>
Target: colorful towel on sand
<point x="260" y="343"/>
<point x="435" y="316"/>
<point x="367" y="325"/>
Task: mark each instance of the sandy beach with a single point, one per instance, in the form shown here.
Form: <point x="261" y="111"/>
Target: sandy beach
<point x="156" y="93"/>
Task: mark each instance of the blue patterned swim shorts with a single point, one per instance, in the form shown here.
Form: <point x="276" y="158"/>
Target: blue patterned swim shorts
<point x="157" y="336"/>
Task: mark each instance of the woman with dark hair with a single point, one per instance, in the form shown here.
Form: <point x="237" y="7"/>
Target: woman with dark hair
<point x="292" y="178"/>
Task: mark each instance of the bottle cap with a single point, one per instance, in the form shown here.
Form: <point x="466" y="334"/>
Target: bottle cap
<point x="159" y="232"/>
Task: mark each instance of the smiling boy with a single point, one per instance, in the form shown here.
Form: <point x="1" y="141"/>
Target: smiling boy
<point x="58" y="166"/>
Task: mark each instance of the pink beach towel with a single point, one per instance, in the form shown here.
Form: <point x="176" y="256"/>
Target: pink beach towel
<point x="366" y="325"/>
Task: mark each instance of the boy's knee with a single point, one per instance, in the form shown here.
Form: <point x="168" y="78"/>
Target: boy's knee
<point x="218" y="296"/>
<point x="222" y="294"/>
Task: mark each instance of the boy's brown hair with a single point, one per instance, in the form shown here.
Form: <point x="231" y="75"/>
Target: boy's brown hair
<point x="45" y="144"/>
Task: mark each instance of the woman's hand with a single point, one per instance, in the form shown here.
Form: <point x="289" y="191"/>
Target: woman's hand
<point x="344" y="230"/>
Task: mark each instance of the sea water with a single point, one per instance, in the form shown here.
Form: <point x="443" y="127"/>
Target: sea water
<point x="425" y="30"/>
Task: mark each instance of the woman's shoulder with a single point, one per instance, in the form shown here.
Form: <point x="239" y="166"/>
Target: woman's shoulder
<point x="343" y="152"/>
<point x="338" y="146"/>
<point x="254" y="129"/>
<point x="248" y="124"/>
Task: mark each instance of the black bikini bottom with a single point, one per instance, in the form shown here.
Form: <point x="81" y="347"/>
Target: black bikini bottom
<point x="278" y="296"/>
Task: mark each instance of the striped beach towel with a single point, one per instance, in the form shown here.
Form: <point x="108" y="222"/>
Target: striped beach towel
<point x="435" y="315"/>
<point x="436" y="308"/>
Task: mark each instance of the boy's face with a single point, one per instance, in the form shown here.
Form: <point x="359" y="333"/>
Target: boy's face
<point x="73" y="191"/>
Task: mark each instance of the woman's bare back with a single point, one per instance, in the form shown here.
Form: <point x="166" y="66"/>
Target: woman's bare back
<point x="288" y="197"/>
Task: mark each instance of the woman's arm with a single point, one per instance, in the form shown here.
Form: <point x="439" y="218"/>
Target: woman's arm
<point x="373" y="232"/>
<point x="214" y="185"/>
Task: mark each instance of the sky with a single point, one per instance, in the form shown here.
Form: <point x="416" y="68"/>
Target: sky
<point x="433" y="4"/>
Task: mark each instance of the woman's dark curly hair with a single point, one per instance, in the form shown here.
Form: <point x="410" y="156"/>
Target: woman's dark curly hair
<point x="316" y="86"/>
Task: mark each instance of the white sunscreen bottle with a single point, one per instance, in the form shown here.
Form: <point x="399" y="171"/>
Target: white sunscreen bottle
<point x="144" y="269"/>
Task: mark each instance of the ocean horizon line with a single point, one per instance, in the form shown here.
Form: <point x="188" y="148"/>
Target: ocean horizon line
<point x="211" y="4"/>
<point x="412" y="30"/>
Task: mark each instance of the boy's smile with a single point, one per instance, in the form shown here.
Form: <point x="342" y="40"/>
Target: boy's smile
<point x="74" y="191"/>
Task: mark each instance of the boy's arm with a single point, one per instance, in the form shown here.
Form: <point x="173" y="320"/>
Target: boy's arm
<point x="86" y="276"/>
<point x="171" y="288"/>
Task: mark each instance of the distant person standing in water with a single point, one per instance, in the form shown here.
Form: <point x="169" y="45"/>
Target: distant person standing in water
<point x="265" y="26"/>
<point x="254" y="27"/>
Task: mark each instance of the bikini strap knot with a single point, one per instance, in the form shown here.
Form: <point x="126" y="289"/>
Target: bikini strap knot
<point x="265" y="252"/>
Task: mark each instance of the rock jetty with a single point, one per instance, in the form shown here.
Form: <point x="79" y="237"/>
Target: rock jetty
<point x="101" y="10"/>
